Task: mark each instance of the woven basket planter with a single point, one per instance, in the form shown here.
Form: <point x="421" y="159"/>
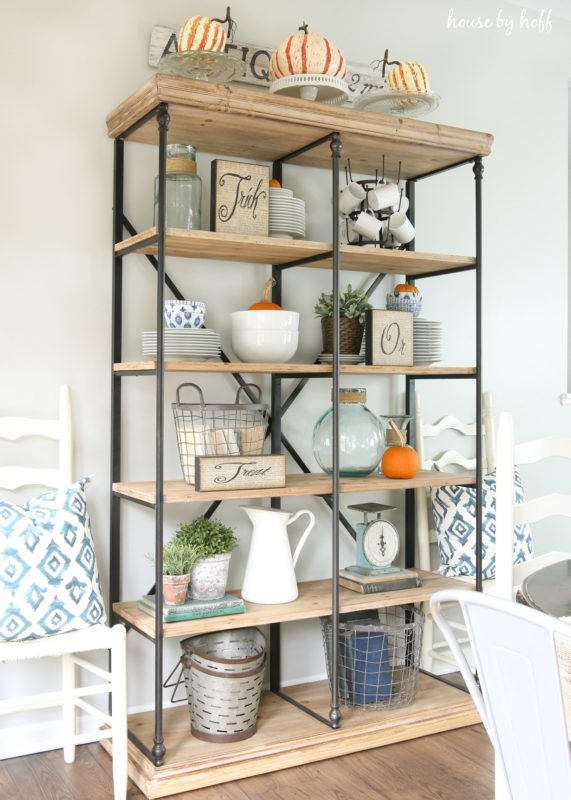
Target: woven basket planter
<point x="350" y="335"/>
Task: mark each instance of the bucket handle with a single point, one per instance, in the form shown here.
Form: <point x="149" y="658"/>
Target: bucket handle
<point x="249" y="386"/>
<point x="306" y="532"/>
<point x="194" y="386"/>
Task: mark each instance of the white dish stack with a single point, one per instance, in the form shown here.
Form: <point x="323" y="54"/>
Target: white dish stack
<point x="287" y="215"/>
<point x="427" y="341"/>
<point x="192" y="344"/>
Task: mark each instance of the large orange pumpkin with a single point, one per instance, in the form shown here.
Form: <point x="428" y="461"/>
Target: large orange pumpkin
<point x="307" y="53"/>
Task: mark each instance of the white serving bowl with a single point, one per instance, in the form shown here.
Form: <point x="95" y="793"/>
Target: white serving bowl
<point x="265" y="320"/>
<point x="266" y="346"/>
<point x="184" y="313"/>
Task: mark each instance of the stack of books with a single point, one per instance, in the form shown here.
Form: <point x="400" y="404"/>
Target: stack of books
<point x="359" y="580"/>
<point x="194" y="609"/>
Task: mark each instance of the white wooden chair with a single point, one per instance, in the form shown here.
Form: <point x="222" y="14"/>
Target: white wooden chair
<point x="508" y="513"/>
<point x="518" y="693"/>
<point x="69" y="646"/>
<point x="425" y="534"/>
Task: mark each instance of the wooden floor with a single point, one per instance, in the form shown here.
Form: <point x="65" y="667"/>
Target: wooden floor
<point x="457" y="765"/>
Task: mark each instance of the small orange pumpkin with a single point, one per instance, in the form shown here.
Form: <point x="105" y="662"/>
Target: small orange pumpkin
<point x="401" y="460"/>
<point x="406" y="287"/>
<point x="265" y="304"/>
<point x="275" y="184"/>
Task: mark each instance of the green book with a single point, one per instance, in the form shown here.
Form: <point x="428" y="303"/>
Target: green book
<point x="194" y="609"/>
<point x="372" y="588"/>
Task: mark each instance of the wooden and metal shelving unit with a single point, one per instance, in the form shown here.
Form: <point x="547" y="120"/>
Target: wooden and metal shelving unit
<point x="234" y="121"/>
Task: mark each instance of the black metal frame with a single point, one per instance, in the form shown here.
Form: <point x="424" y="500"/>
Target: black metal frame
<point x="278" y="405"/>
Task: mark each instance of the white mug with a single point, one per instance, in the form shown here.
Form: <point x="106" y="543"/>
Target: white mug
<point x="351" y="197"/>
<point x="385" y="195"/>
<point x="401" y="228"/>
<point x="368" y="225"/>
<point x="402" y="204"/>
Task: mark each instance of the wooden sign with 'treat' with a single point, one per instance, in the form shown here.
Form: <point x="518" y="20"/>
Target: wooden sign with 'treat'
<point x="228" y="473"/>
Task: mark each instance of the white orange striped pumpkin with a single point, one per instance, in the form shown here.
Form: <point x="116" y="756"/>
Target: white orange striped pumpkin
<point x="201" y="33"/>
<point x="307" y="53"/>
<point x="410" y="76"/>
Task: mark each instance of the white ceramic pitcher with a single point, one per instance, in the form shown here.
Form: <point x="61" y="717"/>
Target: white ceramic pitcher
<point x="270" y="570"/>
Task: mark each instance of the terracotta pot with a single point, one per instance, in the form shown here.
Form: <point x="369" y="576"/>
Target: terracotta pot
<point x="350" y="335"/>
<point x="175" y="588"/>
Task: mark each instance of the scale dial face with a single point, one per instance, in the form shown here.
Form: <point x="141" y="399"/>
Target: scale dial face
<point x="380" y="543"/>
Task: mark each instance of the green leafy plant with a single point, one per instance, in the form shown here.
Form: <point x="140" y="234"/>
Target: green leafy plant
<point x="352" y="304"/>
<point x="206" y="537"/>
<point x="178" y="557"/>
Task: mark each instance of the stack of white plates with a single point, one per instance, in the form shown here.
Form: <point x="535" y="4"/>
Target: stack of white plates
<point x="287" y="215"/>
<point x="344" y="358"/>
<point x="427" y="340"/>
<point x="194" y="344"/>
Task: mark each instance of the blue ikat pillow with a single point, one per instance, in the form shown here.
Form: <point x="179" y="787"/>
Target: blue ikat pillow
<point x="49" y="581"/>
<point x="454" y="511"/>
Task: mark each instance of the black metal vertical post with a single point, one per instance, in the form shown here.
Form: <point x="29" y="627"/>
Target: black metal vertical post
<point x="410" y="516"/>
<point x="478" y="177"/>
<point x="276" y="443"/>
<point x="411" y="213"/>
<point x="116" y="356"/>
<point x="158" y="745"/>
<point x="334" y="713"/>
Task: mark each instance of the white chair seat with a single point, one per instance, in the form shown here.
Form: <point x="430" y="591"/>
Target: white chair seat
<point x="97" y="637"/>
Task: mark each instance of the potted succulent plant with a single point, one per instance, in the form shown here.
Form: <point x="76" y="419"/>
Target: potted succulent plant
<point x="353" y="304"/>
<point x="211" y="543"/>
<point x="178" y="559"/>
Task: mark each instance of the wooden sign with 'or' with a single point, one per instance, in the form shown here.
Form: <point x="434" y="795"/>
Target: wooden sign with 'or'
<point x="228" y="473"/>
<point x="388" y="338"/>
<point x="239" y="197"/>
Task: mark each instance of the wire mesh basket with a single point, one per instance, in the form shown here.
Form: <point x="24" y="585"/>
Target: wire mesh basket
<point x="206" y="429"/>
<point x="379" y="656"/>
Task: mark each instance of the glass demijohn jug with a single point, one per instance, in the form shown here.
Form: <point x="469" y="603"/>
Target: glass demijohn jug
<point x="183" y="191"/>
<point x="360" y="436"/>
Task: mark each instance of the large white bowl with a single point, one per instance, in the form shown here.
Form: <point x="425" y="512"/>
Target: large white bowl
<point x="265" y="320"/>
<point x="265" y="346"/>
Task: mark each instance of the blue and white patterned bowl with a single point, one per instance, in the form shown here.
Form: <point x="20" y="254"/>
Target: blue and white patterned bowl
<point x="405" y="301"/>
<point x="184" y="313"/>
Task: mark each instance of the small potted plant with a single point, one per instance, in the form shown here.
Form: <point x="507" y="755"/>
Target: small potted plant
<point x="352" y="307"/>
<point x="177" y="564"/>
<point x="211" y="543"/>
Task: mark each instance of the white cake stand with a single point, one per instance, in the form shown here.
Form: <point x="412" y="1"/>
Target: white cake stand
<point x="323" y="88"/>
<point x="203" y="65"/>
<point x="407" y="104"/>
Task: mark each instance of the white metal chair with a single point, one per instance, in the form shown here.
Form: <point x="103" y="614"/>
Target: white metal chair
<point x="425" y="534"/>
<point x="72" y="696"/>
<point x="508" y="513"/>
<point x="519" y="695"/>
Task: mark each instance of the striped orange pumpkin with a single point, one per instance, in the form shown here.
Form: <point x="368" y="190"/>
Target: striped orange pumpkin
<point x="307" y="53"/>
<point x="201" y="33"/>
<point x="410" y="76"/>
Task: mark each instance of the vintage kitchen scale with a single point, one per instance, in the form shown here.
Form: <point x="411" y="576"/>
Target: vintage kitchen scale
<point x="377" y="545"/>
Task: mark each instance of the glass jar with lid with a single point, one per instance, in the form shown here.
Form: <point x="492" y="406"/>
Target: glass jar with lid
<point x="360" y="436"/>
<point x="183" y="190"/>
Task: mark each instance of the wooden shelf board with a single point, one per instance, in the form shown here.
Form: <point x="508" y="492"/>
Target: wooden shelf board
<point x="288" y="737"/>
<point x="149" y="367"/>
<point x="266" y="250"/>
<point x="296" y="486"/>
<point x="231" y="119"/>
<point x="314" y="601"/>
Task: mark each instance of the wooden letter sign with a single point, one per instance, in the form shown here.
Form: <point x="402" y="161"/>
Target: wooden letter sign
<point x="239" y="197"/>
<point x="388" y="338"/>
<point x="228" y="473"/>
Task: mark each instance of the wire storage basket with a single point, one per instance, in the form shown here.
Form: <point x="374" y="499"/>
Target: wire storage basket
<point x="379" y="656"/>
<point x="224" y="674"/>
<point x="207" y="429"/>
